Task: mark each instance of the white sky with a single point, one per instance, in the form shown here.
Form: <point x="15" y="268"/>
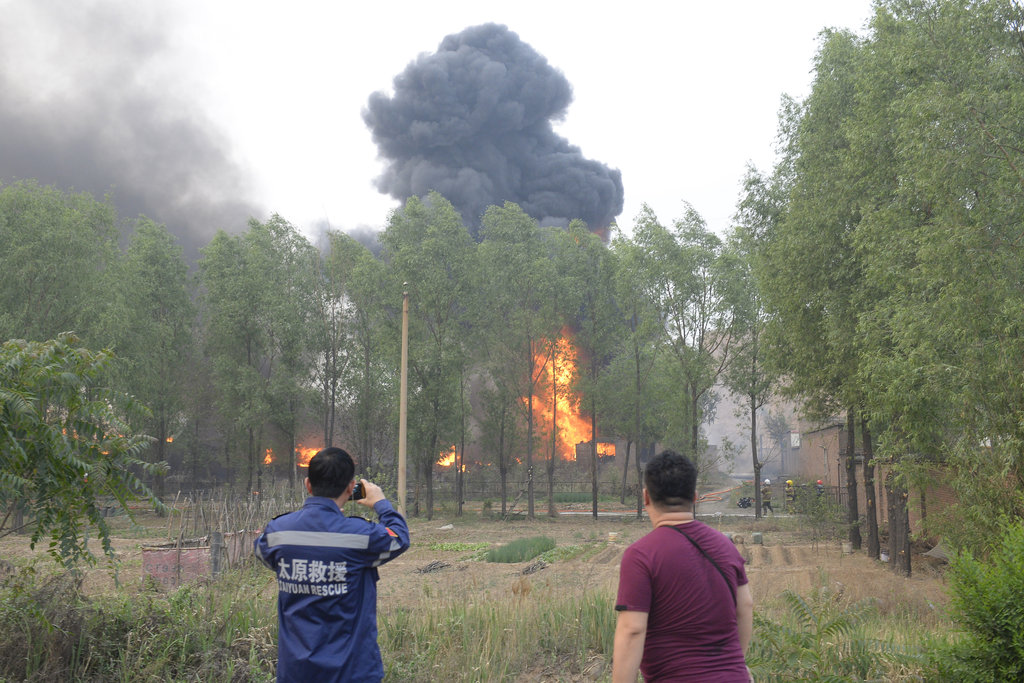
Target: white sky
<point x="679" y="96"/>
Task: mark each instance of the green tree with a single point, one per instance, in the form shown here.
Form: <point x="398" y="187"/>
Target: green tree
<point x="258" y="310"/>
<point x="573" y="252"/>
<point x="688" y="281"/>
<point x="151" y="324"/>
<point x="631" y="384"/>
<point x="810" y="274"/>
<point x="427" y="246"/>
<point x="748" y="377"/>
<point x="359" y="361"/>
<point x="66" y="445"/>
<point x="294" y="307"/>
<point x="598" y="325"/>
<point x="942" y="241"/>
<point x="522" y="310"/>
<point x="56" y="251"/>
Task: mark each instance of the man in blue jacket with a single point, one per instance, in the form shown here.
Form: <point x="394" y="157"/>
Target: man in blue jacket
<point x="326" y="565"/>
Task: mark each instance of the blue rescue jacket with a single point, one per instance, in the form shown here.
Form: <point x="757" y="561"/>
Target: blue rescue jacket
<point x="326" y="565"/>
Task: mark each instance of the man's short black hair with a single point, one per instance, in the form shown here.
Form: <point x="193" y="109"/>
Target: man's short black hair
<point x="330" y="472"/>
<point x="671" y="480"/>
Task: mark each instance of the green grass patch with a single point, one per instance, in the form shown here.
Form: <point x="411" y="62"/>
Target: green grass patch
<point x="563" y="553"/>
<point x="458" y="547"/>
<point x="521" y="549"/>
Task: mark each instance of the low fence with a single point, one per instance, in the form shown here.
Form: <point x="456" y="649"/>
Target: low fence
<point x="200" y="549"/>
<point x="172" y="564"/>
<point x="492" y="490"/>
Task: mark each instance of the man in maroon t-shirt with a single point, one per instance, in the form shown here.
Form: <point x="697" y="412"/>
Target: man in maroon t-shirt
<point x="684" y="606"/>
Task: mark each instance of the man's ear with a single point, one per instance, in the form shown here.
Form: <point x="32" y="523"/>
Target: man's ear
<point x="647" y="497"/>
<point x="309" y="487"/>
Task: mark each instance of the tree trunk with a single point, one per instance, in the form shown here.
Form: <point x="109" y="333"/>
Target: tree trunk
<point x="754" y="454"/>
<point x="636" y="431"/>
<point x="366" y="409"/>
<point x="593" y="454"/>
<point x="228" y="473"/>
<point x="529" y="451"/>
<point x="194" y="450"/>
<point x="870" y="491"/>
<point x="695" y="427"/>
<point x="554" y="434"/>
<point x="640" y="481"/>
<point x="161" y="442"/>
<point x="258" y="464"/>
<point x="852" y="514"/>
<point x="503" y="465"/>
<point x="290" y="459"/>
<point x="899" y="527"/>
<point x="625" y="469"/>
<point x="551" y="487"/>
<point x="428" y="476"/>
<point x="251" y="459"/>
<point x="460" y="456"/>
<point x="416" y="486"/>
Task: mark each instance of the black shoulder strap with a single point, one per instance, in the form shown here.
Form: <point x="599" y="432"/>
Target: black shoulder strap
<point x="709" y="559"/>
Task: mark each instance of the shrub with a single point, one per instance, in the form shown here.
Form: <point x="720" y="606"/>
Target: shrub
<point x="521" y="549"/>
<point x="988" y="603"/>
<point x="220" y="630"/>
<point x="820" y="639"/>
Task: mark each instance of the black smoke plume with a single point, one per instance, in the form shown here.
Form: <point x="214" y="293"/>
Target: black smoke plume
<point x="473" y="122"/>
<point x="86" y="104"/>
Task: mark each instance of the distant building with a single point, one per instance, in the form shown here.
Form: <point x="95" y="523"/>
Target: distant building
<point x="821" y="454"/>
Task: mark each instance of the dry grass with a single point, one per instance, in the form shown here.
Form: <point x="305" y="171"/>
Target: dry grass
<point x="473" y="620"/>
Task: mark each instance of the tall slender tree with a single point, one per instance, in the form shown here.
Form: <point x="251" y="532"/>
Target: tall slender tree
<point x="688" y="282"/>
<point x="518" y="293"/>
<point x="362" y="362"/>
<point x="812" y="279"/>
<point x="257" y="311"/>
<point x="635" y="363"/>
<point x="597" y="324"/>
<point x="427" y="246"/>
<point x="151" y="319"/>
<point x="748" y="377"/>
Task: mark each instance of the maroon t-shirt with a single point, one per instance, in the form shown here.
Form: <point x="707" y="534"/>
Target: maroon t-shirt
<point x="691" y="614"/>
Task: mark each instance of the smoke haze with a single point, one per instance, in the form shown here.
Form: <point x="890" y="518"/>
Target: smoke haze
<point x="473" y="121"/>
<point x="88" y="103"/>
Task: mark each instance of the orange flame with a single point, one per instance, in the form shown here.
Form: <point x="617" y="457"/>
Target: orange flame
<point x="572" y="427"/>
<point x="269" y="457"/>
<point x="606" y="449"/>
<point x="447" y="458"/>
<point x="170" y="439"/>
<point x="304" y="455"/>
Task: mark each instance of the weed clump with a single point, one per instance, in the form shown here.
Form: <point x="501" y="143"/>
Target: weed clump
<point x="521" y="549"/>
<point x="821" y="638"/>
<point x="219" y="630"/>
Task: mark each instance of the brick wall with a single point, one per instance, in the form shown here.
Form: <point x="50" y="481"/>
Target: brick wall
<point x="820" y="456"/>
